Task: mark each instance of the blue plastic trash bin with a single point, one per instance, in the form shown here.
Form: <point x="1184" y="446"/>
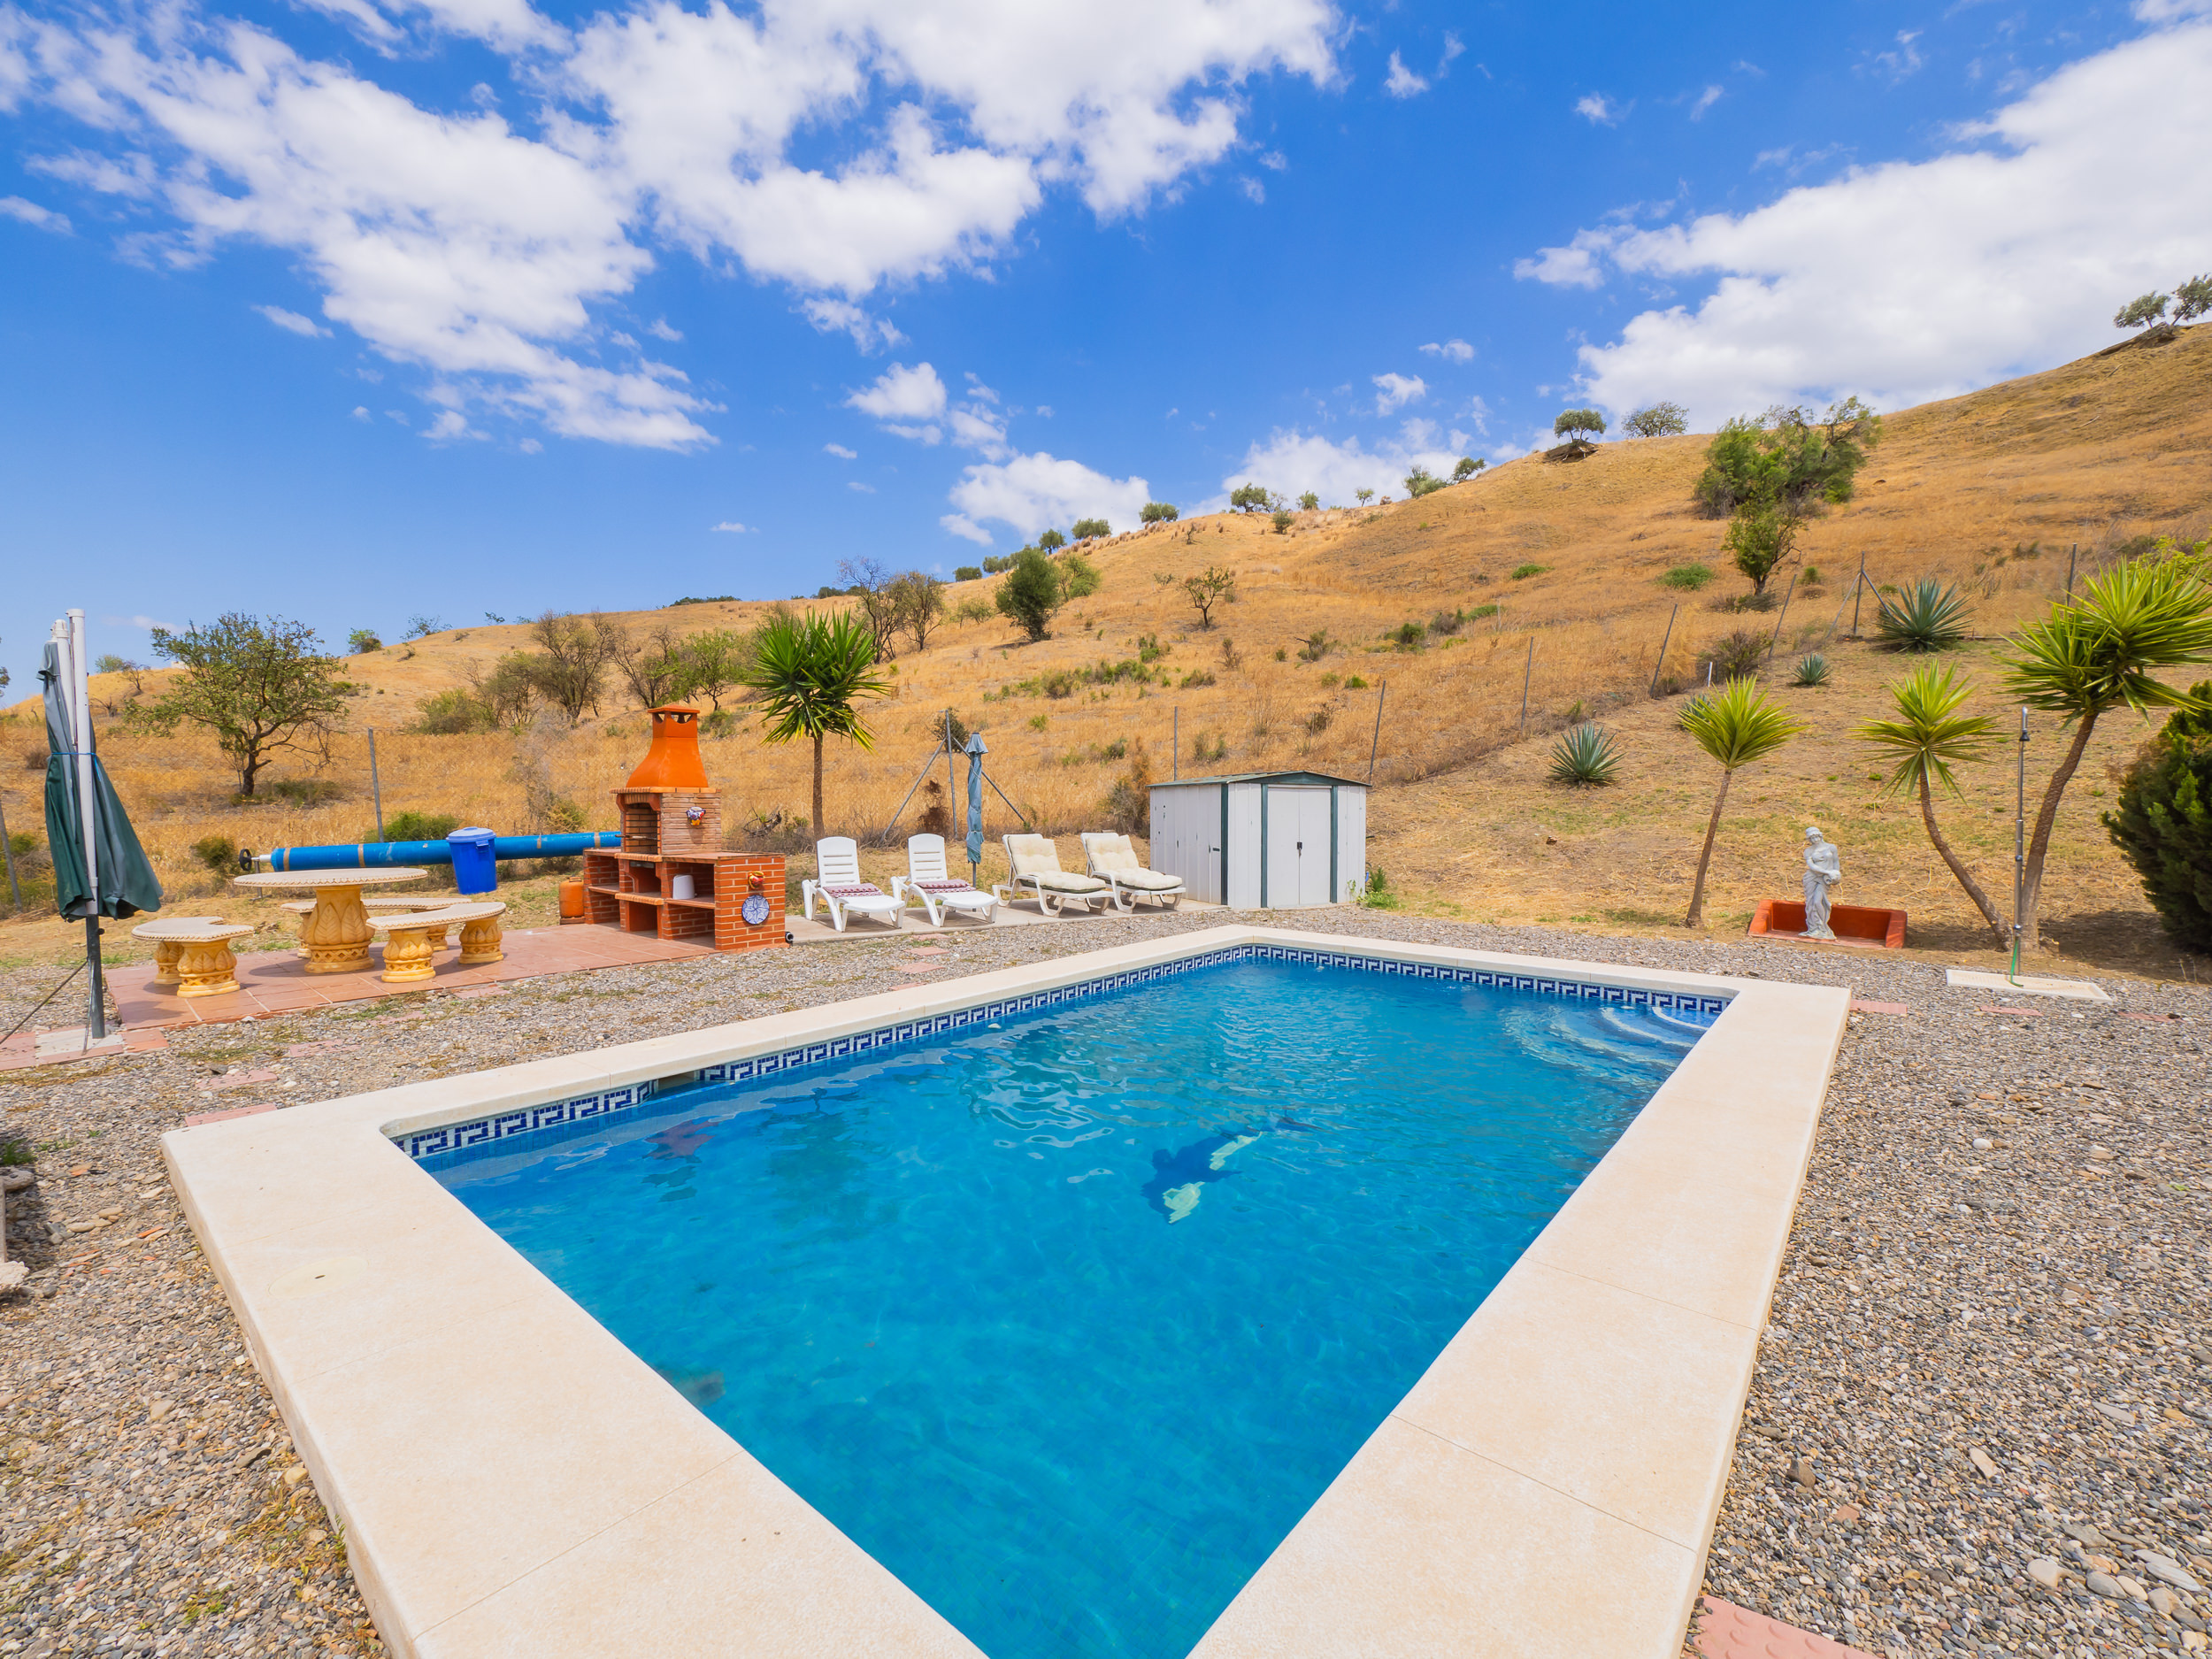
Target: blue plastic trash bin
<point x="474" y="869"/>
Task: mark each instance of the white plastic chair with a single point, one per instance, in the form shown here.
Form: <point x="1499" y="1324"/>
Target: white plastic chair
<point x="1114" y="859"/>
<point x="926" y="879"/>
<point x="837" y="883"/>
<point x="1034" y="864"/>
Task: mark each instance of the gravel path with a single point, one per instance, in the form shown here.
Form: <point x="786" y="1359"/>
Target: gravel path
<point x="1989" y="1362"/>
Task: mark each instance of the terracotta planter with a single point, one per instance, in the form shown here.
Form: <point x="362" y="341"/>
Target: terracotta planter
<point x="1852" y="924"/>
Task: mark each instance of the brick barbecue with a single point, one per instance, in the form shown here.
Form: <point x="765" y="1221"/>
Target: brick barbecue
<point x="672" y="837"/>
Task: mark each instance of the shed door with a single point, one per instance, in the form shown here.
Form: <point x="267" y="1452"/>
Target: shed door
<point x="1298" y="847"/>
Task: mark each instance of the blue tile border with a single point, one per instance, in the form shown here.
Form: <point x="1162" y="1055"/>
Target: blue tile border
<point x="501" y="1131"/>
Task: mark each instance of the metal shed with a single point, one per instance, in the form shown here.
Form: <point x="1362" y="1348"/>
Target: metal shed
<point x="1262" y="840"/>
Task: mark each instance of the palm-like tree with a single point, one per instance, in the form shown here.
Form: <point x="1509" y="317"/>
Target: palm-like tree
<point x="1929" y="734"/>
<point x="1735" y="725"/>
<point x="2098" y="653"/>
<point x="810" y="672"/>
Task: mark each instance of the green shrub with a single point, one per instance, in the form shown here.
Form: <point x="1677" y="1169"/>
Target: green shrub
<point x="1585" y="754"/>
<point x="1318" y="722"/>
<point x="967" y="572"/>
<point x="1158" y="513"/>
<point x="1408" y="636"/>
<point x="721" y="723"/>
<point x="454" y="713"/>
<point x="1376" y="894"/>
<point x="1084" y="529"/>
<point x="975" y="610"/>
<point x="1735" y="656"/>
<point x="2163" y="822"/>
<point x="1420" y="482"/>
<point x="1148" y="649"/>
<point x="418" y="826"/>
<point x="1195" y="679"/>
<point x="1315" y="645"/>
<point x="1355" y="683"/>
<point x="1447" y="622"/>
<point x="1811" y="578"/>
<point x="1925" y="617"/>
<point x="1283" y="519"/>
<point x="304" y="791"/>
<point x="1688" y="578"/>
<point x="1812" y="669"/>
<point x="996" y="562"/>
<point x="1038" y="722"/>
<point x="1079" y="577"/>
<point x="219" y="853"/>
<point x="1208" y="746"/>
<point x="1307" y="501"/>
<point x="1522" y="572"/>
<point x="363" y="639"/>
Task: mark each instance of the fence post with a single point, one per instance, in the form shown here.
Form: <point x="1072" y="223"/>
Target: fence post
<point x="1858" y="588"/>
<point x="376" y="789"/>
<point x="1175" y="744"/>
<point x="1525" y="674"/>
<point x="2072" y="554"/>
<point x="1659" y="667"/>
<point x="1382" y="691"/>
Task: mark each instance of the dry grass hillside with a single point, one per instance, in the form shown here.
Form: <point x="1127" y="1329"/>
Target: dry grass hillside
<point x="1991" y="490"/>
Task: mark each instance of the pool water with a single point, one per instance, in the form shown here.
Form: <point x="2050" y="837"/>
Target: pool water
<point x="1067" y="1321"/>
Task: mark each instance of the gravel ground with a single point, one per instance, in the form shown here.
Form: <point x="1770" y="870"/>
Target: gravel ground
<point x="1988" y="1362"/>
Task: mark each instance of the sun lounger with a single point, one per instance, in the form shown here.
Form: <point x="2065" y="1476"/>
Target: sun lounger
<point x="1036" y="874"/>
<point x="926" y="879"/>
<point x="1113" y="858"/>
<point x="837" y="883"/>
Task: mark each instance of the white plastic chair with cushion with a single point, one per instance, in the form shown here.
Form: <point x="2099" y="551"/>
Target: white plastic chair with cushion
<point x="1034" y="864"/>
<point x="837" y="883"/>
<point x="1114" y="859"/>
<point x="926" y="879"/>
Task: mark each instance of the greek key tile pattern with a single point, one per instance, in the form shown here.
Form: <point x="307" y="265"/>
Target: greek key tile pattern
<point x="501" y="1131"/>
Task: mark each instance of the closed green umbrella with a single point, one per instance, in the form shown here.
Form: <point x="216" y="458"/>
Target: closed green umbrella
<point x="115" y="879"/>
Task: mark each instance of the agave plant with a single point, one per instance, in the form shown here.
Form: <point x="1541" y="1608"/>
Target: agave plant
<point x="1737" y="656"/>
<point x="1585" y="754"/>
<point x="1925" y="617"/>
<point x="1812" y="669"/>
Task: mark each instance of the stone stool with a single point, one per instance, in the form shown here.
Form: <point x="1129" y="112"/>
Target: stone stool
<point x="193" y="953"/>
<point x="410" y="941"/>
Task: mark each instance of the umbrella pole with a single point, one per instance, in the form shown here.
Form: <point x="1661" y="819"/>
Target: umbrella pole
<point x="87" y="807"/>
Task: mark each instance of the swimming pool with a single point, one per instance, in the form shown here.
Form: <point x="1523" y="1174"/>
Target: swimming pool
<point x="1068" y="1315"/>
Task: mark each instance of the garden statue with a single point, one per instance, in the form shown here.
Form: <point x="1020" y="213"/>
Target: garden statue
<point x="1823" y="868"/>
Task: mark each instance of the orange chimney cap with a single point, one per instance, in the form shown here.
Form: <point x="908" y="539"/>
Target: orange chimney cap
<point x="673" y="763"/>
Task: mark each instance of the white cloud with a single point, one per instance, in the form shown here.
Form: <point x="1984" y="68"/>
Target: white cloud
<point x="456" y="242"/>
<point x="1290" y="462"/>
<point x="1597" y="107"/>
<point x="1451" y="350"/>
<point x="451" y="424"/>
<point x="1913" y="280"/>
<point x="1273" y="160"/>
<point x="732" y="527"/>
<point x="978" y="427"/>
<point x="1575" y="266"/>
<point x="292" y="322"/>
<point x="1255" y="192"/>
<point x="661" y="329"/>
<point x="1403" y="82"/>
<point x="960" y="524"/>
<point x="902" y="394"/>
<point x="360" y="412"/>
<point x="869" y="334"/>
<point x="1453" y="47"/>
<point x="864" y="489"/>
<point x="841" y="451"/>
<point x="1034" y="492"/>
<point x="1903" y="60"/>
<point x="1394" y="392"/>
<point x="31" y="213"/>
<point x="1705" y="101"/>
<point x="144" y="624"/>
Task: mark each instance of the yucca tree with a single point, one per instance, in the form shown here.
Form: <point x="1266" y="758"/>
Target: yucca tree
<point x="1735" y="725"/>
<point x="1928" y="736"/>
<point x="810" y="671"/>
<point x="2098" y="653"/>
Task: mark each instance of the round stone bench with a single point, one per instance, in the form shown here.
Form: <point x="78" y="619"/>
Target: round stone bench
<point x="193" y="953"/>
<point x="388" y="906"/>
<point x="411" y="939"/>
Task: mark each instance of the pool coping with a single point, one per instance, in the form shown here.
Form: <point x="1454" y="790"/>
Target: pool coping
<point x="512" y="1481"/>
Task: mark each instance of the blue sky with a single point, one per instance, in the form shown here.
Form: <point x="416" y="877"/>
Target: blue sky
<point x="355" y="310"/>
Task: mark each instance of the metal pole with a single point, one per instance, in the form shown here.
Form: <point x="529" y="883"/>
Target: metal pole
<point x="1788" y="594"/>
<point x="1526" y="674"/>
<point x="2072" y="553"/>
<point x="2019" y="843"/>
<point x="80" y="690"/>
<point x="1659" y="667"/>
<point x="952" y="781"/>
<point x="1858" y="588"/>
<point x="1374" y="743"/>
<point x="376" y="789"/>
<point x="15" y="893"/>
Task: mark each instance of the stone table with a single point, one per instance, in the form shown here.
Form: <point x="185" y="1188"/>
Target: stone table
<point x="337" y="931"/>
